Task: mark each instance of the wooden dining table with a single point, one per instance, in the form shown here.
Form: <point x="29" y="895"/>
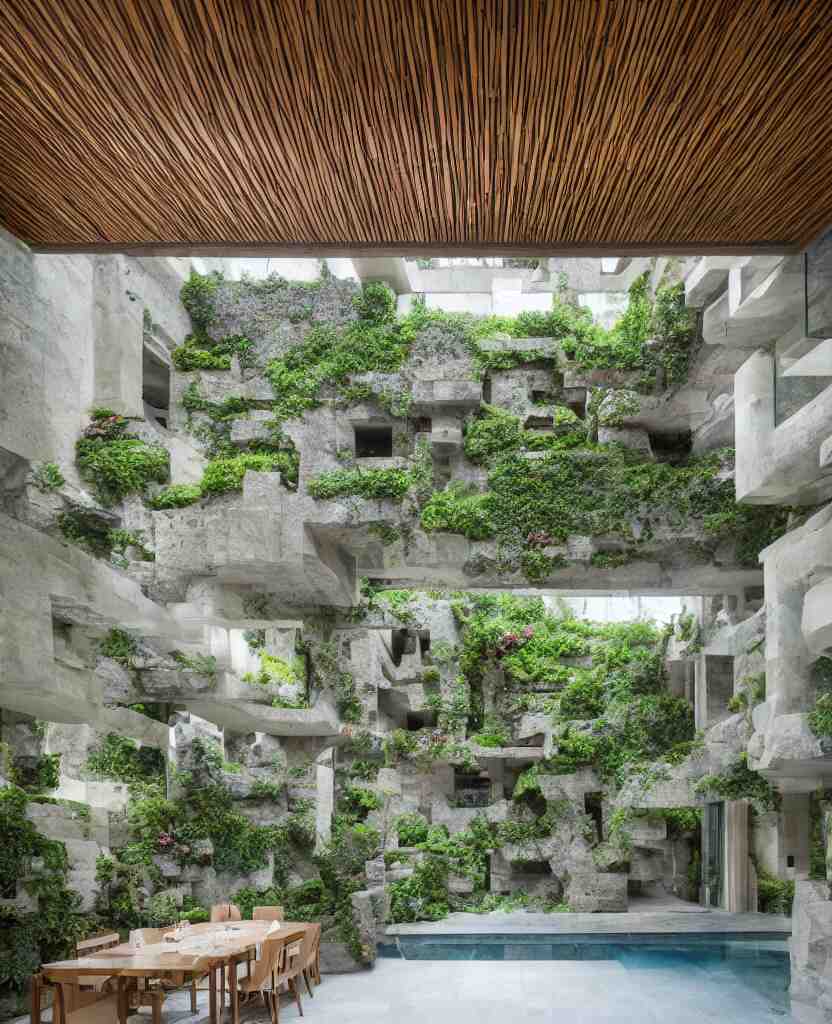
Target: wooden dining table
<point x="202" y="949"/>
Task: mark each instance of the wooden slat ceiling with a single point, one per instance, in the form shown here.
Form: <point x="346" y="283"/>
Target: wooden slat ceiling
<point x="394" y="125"/>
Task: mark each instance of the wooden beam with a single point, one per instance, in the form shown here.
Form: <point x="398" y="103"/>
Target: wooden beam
<point x="424" y="250"/>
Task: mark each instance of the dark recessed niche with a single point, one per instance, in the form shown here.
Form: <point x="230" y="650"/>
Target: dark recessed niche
<point x="155" y="381"/>
<point x="671" y="446"/>
<point x="543" y="397"/>
<point x="593" y="805"/>
<point x="402" y="641"/>
<point x="417" y="720"/>
<point x="373" y="442"/>
<point x="540" y="423"/>
<point x="575" y="399"/>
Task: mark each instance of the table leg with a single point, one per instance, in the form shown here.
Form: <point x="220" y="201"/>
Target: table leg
<point x="34" y="1006"/>
<point x="122" y="1000"/>
<point x="58" y="1007"/>
<point x="212" y="996"/>
<point x="69" y="991"/>
<point x="232" y="991"/>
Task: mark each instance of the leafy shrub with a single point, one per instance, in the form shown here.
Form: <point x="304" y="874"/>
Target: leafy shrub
<point x="119" y="645"/>
<point x="223" y="475"/>
<point x="176" y="496"/>
<point x="774" y="895"/>
<point x="204" y="664"/>
<point x="357" y="802"/>
<point x="457" y="509"/>
<point x="124" y="760"/>
<point x="29" y="938"/>
<point x="198" y="296"/>
<point x="364" y="483"/>
<point x="376" y="303"/>
<point x="582" y="699"/>
<point x="739" y="782"/>
<point x="48" y="476"/>
<point x="494" y="432"/>
<point x="121" y="466"/>
<point x="423" y="896"/>
<point x="411" y="829"/>
<point x="192" y="357"/>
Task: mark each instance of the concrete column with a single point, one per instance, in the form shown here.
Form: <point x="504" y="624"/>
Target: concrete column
<point x="700" y="692"/>
<point x="788" y="659"/>
<point x="243" y="659"/>
<point x="754" y="423"/>
<point x="736" y="859"/>
<point x="218" y="645"/>
<point x="118" y="339"/>
<point x="281" y="643"/>
<point x="794" y="845"/>
<point x="496" y="774"/>
<point x="325" y="802"/>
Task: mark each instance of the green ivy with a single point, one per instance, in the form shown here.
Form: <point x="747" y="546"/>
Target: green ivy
<point x="198" y="296"/>
<point x="122" y="759"/>
<point x="411" y="828"/>
<point x="119" y="645"/>
<point x="176" y="496"/>
<point x="774" y="895"/>
<point x="116" y="463"/>
<point x="364" y="483"/>
<point x="739" y="782"/>
<point x="49" y="933"/>
<point x="224" y="475"/>
<point x="198" y="352"/>
<point x="47" y="476"/>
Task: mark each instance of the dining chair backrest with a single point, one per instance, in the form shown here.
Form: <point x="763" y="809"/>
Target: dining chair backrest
<point x="225" y="912"/>
<point x="307" y="947"/>
<point x="267" y="964"/>
<point x="96" y="943"/>
<point x="267" y="914"/>
<point x="149" y="936"/>
<point x="292" y="962"/>
<point x="310" y="951"/>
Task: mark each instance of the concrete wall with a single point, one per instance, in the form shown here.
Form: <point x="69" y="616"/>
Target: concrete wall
<point x="778" y="464"/>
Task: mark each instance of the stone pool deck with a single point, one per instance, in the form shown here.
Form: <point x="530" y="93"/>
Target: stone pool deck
<point x="453" y="992"/>
<point x="697" y="920"/>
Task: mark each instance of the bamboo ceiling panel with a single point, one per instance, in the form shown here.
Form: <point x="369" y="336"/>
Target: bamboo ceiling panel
<point x="380" y="125"/>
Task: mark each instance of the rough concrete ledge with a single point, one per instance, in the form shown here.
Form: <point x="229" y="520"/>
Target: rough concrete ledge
<point x="709" y="923"/>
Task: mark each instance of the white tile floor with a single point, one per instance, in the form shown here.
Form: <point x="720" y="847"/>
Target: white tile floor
<point x="494" y="992"/>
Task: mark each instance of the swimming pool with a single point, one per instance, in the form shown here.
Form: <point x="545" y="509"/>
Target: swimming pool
<point x="743" y="973"/>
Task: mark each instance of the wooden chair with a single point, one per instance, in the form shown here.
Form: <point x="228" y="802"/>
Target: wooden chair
<point x="80" y="1007"/>
<point x="225" y="912"/>
<point x="291" y="967"/>
<point x="311" y="954"/>
<point x="264" y="973"/>
<point x="267" y="914"/>
<point x="155" y="992"/>
<point x="95" y="944"/>
<point x="149" y="936"/>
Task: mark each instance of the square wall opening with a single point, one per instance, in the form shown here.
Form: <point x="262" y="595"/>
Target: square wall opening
<point x="373" y="442"/>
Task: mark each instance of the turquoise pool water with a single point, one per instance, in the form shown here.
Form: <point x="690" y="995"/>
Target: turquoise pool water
<point x="745" y="977"/>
